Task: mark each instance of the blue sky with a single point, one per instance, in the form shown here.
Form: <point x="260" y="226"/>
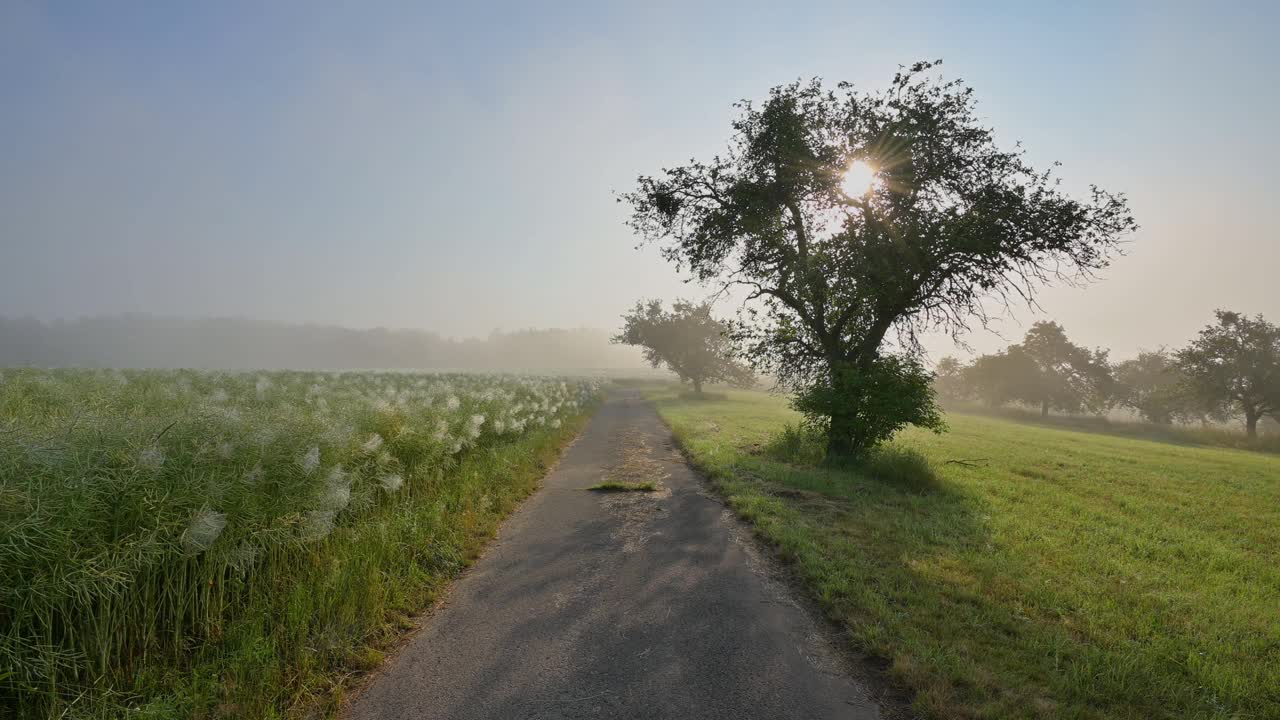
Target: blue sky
<point x="452" y="168"/>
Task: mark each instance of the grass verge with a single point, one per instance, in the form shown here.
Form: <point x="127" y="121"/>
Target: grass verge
<point x="297" y="651"/>
<point x="1040" y="573"/>
<point x="185" y="544"/>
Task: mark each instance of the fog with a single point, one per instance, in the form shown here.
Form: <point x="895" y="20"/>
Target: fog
<point x="233" y="343"/>
<point x="451" y="170"/>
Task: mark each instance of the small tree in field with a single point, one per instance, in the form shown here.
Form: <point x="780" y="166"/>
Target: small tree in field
<point x="688" y="340"/>
<point x="1236" y="362"/>
<point x="854" y="219"/>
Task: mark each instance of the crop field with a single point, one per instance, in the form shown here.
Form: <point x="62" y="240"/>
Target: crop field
<point x="181" y="543"/>
<point x="1007" y="570"/>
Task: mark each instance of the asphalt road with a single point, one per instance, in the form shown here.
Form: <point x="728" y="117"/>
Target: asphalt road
<point x="622" y="605"/>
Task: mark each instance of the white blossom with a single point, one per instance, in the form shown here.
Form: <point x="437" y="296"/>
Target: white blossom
<point x="392" y="482"/>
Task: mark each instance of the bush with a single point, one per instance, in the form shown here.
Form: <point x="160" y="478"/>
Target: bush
<point x="860" y="407"/>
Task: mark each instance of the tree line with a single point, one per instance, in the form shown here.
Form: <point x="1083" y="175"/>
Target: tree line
<point x="148" y="341"/>
<point x="1231" y="370"/>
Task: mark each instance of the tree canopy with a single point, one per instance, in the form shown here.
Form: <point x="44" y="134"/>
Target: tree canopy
<point x="687" y="339"/>
<point x="841" y="280"/>
<point x="1153" y="386"/>
<point x="1236" y="362"/>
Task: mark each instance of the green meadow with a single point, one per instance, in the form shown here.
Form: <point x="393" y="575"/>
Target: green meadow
<point x="1009" y="570"/>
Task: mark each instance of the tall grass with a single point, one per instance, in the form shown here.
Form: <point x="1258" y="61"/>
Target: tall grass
<point x="181" y="543"/>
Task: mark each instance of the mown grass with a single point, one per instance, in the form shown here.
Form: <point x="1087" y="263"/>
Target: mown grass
<point x="1037" y="573"/>
<point x="1268" y="439"/>
<point x="184" y="544"/>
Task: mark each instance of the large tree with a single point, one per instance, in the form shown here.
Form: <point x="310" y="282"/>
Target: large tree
<point x="857" y="219"/>
<point x="1236" y="362"/>
<point x="687" y="339"/>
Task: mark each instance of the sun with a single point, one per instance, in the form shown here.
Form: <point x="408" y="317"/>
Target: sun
<point x="859" y="179"/>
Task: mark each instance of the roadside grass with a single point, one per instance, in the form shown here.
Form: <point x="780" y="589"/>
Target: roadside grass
<point x="1031" y="572"/>
<point x="621" y="486"/>
<point x="301" y="653"/>
<point x="190" y="544"/>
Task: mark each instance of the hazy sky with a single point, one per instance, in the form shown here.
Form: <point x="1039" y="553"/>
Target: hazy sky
<point x="452" y="168"/>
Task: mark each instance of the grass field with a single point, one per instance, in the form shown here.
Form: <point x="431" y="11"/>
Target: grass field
<point x="187" y="544"/>
<point x="1040" y="573"/>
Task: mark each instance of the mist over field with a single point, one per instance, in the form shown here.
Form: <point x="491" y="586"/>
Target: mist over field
<point x="433" y="167"/>
<point x="141" y="341"/>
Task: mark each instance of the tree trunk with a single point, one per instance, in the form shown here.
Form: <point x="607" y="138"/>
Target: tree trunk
<point x="1044" y="408"/>
<point x="1251" y="423"/>
<point x="840" y="437"/>
<point x="697" y="386"/>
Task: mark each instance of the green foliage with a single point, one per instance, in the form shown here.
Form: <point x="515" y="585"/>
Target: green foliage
<point x="1237" y="363"/>
<point x="688" y="340"/>
<point x="1047" y="371"/>
<point x="1044" y="573"/>
<point x="860" y="407"/>
<point x="1152" y="385"/>
<point x="951" y="221"/>
<point x="949" y="380"/>
<point x="186" y="541"/>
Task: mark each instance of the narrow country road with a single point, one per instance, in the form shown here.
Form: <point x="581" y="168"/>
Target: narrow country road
<point x="618" y="605"/>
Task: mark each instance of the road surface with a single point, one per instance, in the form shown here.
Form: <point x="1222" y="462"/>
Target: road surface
<point x="618" y="605"/>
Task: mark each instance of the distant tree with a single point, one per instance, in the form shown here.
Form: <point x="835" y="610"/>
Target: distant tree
<point x="1004" y="377"/>
<point x="1046" y="370"/>
<point x="949" y="380"/>
<point x="1071" y="378"/>
<point x="1154" y="386"/>
<point x="1236" y="362"/>
<point x="850" y="216"/>
<point x="687" y="339"/>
